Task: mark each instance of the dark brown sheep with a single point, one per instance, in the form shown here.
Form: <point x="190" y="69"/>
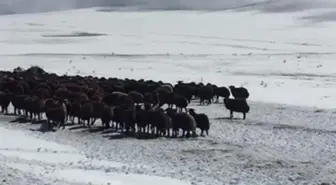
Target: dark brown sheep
<point x="55" y="112"/>
<point x="221" y="92"/>
<point x="239" y="92"/>
<point x="107" y="116"/>
<point x="5" y="98"/>
<point x="87" y="112"/>
<point x="182" y="121"/>
<point x="202" y="121"/>
<point x="237" y="105"/>
<point x="136" y="97"/>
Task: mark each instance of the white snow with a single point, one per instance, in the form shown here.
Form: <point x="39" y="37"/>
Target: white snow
<point x="247" y="48"/>
<point x="284" y="59"/>
<point x="55" y="162"/>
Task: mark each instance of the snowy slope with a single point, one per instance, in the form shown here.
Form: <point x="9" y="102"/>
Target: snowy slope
<point x="284" y="59"/>
<point x="268" y="53"/>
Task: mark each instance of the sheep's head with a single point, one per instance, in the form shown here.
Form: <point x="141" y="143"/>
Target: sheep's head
<point x="225" y="100"/>
<point x="231" y="87"/>
<point x="171" y="111"/>
<point x="191" y="111"/>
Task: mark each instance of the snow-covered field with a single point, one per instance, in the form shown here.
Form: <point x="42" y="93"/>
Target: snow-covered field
<point x="286" y="60"/>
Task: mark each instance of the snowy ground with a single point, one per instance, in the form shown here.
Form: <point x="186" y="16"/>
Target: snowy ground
<point x="285" y="60"/>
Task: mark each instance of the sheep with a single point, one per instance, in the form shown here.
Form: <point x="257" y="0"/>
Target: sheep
<point x="202" y="121"/>
<point x="136" y="97"/>
<point x="182" y="121"/>
<point x="119" y="100"/>
<point x="18" y="103"/>
<point x="107" y="116"/>
<point x="75" y="111"/>
<point x="4" y="101"/>
<point x="148" y="98"/>
<point x="98" y="109"/>
<point x="56" y="112"/>
<point x="237" y="105"/>
<point x="180" y="102"/>
<point x="128" y="119"/>
<point x="166" y="87"/>
<point x="239" y="92"/>
<point x="159" y="121"/>
<point x="205" y="93"/>
<point x="221" y="92"/>
<point x="87" y="112"/>
<point x="185" y="90"/>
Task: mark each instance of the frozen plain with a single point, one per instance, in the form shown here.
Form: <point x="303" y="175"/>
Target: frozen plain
<point x="285" y="60"/>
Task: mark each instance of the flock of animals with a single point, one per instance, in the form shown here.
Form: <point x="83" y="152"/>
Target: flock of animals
<point x="126" y="105"/>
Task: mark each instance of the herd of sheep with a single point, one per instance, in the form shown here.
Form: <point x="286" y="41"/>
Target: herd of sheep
<point x="127" y="105"/>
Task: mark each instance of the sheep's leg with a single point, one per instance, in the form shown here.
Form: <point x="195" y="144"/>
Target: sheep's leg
<point x="107" y="124"/>
<point x="88" y="122"/>
<point x="188" y="134"/>
<point x="207" y="132"/>
<point x="93" y="121"/>
<point x="244" y="116"/>
<point x="58" y="125"/>
<point x="231" y="114"/>
<point x="202" y="132"/>
<point x="49" y="126"/>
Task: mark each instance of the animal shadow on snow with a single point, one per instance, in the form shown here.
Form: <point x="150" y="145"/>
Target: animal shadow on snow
<point x="93" y="129"/>
<point x="124" y="135"/>
<point x="114" y="134"/>
<point x="76" y="127"/>
<point x="227" y="118"/>
<point x="20" y="119"/>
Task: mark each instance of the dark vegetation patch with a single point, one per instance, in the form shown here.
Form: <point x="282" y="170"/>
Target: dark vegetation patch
<point x="77" y="34"/>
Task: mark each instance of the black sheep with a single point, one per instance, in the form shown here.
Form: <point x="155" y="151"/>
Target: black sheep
<point x="136" y="97"/>
<point x="56" y="112"/>
<point x="107" y="116"/>
<point x="205" y="93"/>
<point x="202" y="121"/>
<point x="239" y="92"/>
<point x="87" y="112"/>
<point x="4" y="101"/>
<point x="182" y="121"/>
<point x="221" y="92"/>
<point x="180" y="102"/>
<point x="160" y="121"/>
<point x="237" y="105"/>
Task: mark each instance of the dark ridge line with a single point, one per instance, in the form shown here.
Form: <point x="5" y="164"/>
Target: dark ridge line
<point x="75" y="34"/>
